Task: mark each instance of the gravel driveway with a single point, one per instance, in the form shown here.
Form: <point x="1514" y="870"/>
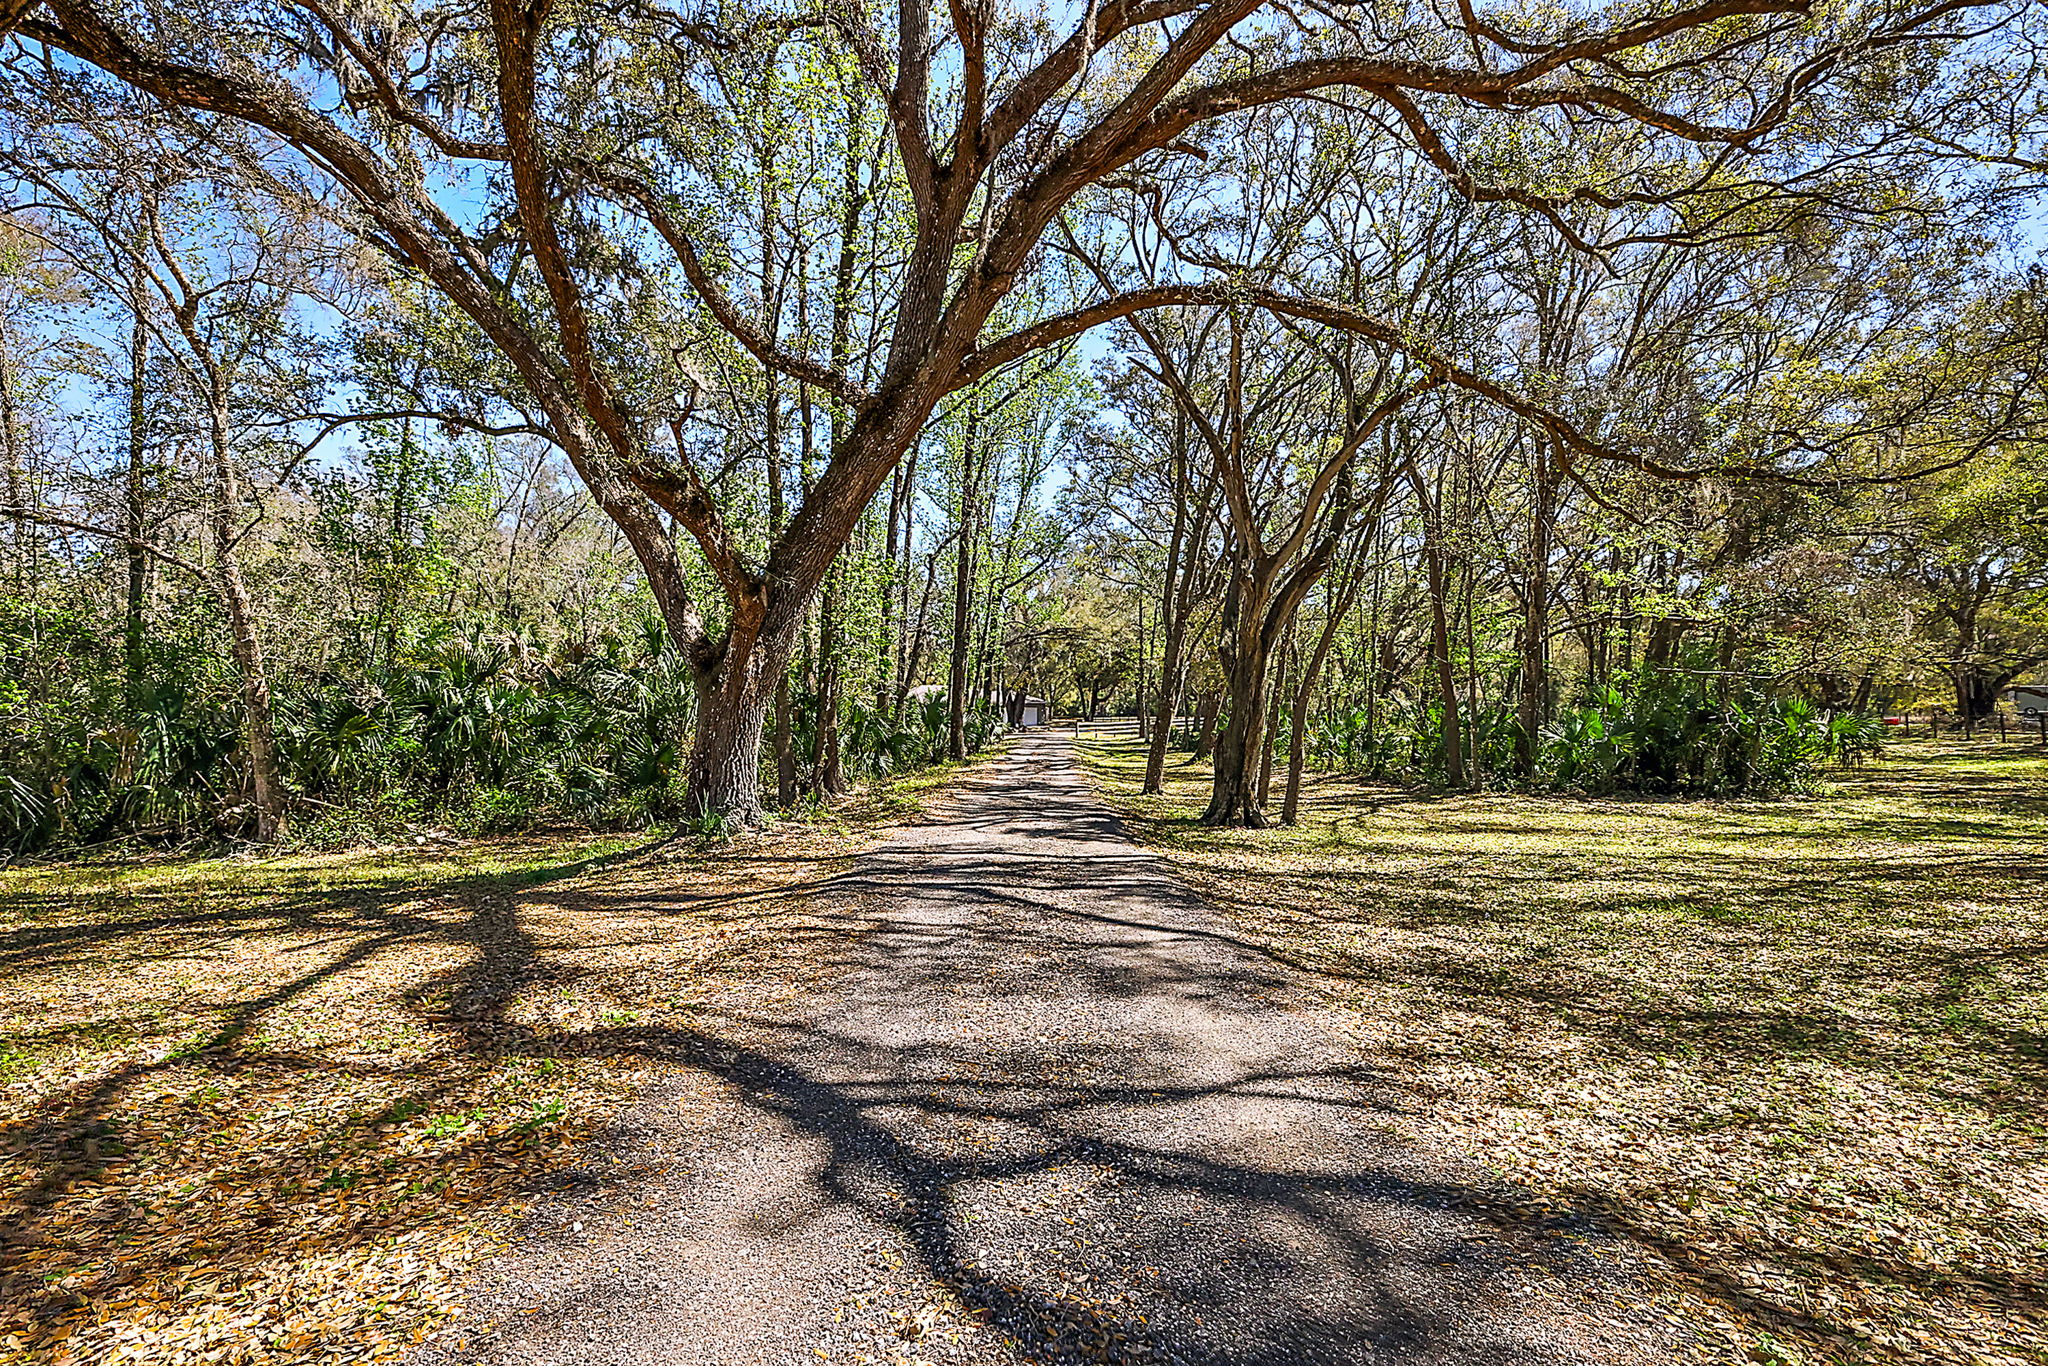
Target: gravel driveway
<point x="1050" y="1111"/>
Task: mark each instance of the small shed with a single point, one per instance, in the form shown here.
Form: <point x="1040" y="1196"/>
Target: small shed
<point x="1033" y="711"/>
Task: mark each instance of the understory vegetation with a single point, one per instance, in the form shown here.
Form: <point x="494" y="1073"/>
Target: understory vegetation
<point x="472" y="734"/>
<point x="1651" y="732"/>
<point x="1791" y="1055"/>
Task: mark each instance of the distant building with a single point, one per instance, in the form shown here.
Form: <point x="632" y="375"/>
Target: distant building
<point x="1021" y="711"/>
<point x="2029" y="701"/>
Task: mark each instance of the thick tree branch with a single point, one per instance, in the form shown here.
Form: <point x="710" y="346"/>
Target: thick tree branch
<point x="679" y="491"/>
<point x="1348" y="319"/>
<point x="12" y="12"/>
<point x="909" y="102"/>
<point x="1339" y="464"/>
<point x="394" y="101"/>
<point x="1029" y="95"/>
<point x="516" y="29"/>
<point x="332" y="422"/>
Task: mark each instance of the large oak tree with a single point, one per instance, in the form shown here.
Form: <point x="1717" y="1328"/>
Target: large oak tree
<point x="539" y="164"/>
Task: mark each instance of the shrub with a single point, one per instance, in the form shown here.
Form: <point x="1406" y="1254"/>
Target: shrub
<point x="1660" y="731"/>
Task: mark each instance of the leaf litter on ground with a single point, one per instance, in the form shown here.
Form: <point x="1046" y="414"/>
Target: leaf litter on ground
<point x="276" y="1110"/>
<point x="1794" y="1055"/>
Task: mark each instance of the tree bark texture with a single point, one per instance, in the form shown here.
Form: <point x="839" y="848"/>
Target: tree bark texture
<point x="1533" y="704"/>
<point x="266" y="788"/>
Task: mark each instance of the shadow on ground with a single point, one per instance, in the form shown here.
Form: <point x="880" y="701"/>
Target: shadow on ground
<point x="1110" y="1125"/>
<point x="1793" y="1049"/>
<point x="1104" y="1125"/>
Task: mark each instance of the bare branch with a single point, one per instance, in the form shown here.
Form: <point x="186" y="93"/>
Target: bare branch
<point x="643" y="200"/>
<point x="41" y="518"/>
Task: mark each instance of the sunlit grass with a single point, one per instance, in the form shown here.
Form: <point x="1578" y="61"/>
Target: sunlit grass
<point x="1796" y="1050"/>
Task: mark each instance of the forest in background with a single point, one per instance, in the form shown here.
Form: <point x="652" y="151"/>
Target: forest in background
<point x="496" y="417"/>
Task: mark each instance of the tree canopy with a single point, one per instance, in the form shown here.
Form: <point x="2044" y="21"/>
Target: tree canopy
<point x="821" y="309"/>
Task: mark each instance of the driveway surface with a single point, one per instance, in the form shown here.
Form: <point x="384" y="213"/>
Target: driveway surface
<point x="1051" y="1110"/>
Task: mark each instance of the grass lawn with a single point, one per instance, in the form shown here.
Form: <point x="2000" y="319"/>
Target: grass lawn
<point x="1795" y="1052"/>
<point x="273" y="1109"/>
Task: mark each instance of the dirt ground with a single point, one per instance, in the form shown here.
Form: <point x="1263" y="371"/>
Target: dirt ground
<point x="965" y="1077"/>
<point x="1049" y="1108"/>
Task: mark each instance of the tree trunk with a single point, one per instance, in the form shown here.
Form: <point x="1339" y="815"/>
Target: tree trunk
<point x="399" y="556"/>
<point x="1374" y="649"/>
<point x="1273" y="705"/>
<point x="1451" y="738"/>
<point x="1536" y="618"/>
<point x="1297" y="734"/>
<point x="734" y="685"/>
<point x="132" y="511"/>
<point x="771" y="454"/>
<point x="831" y="672"/>
<point x="915" y="657"/>
<point x="985" y="652"/>
<point x="888" y="649"/>
<point x="266" y="790"/>
<point x="1246" y="655"/>
<point x="1173" y="620"/>
<point x="1144" y="657"/>
<point x="10" y="450"/>
<point x="1628" y="622"/>
<point x="1233" y="797"/>
<point x="785" y="750"/>
<point x="963" y="593"/>
<point x="1660" y="648"/>
<point x="1168" y="705"/>
<point x="1976" y="693"/>
<point x="725" y="755"/>
<point x="831" y="778"/>
<point x="1976" y="687"/>
<point x="909" y="638"/>
<point x="1297" y="739"/>
<point x="1205" y="725"/>
<point x="1724" y="661"/>
<point x="1475" y="760"/>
